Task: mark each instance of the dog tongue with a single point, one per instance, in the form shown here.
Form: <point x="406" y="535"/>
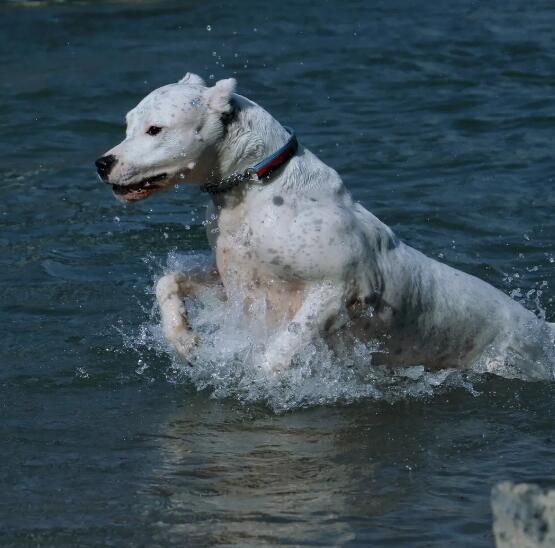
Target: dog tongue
<point x="132" y="195"/>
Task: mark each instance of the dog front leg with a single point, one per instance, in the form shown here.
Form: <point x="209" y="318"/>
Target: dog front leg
<point x="322" y="310"/>
<point x="171" y="289"/>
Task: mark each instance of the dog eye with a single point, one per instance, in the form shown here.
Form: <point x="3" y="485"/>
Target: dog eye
<point x="154" y="130"/>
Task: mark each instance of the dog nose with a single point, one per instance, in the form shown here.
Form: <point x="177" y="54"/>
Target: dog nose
<point x="105" y="164"/>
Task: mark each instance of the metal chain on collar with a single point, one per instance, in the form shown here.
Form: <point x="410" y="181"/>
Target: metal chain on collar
<point x="229" y="182"/>
<point x="260" y="172"/>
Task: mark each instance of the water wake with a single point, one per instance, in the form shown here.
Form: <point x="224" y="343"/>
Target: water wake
<point x="226" y="363"/>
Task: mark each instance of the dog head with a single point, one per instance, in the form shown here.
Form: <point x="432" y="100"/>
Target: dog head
<point x="171" y="138"/>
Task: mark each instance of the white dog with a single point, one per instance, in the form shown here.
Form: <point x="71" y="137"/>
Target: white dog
<point x="288" y="232"/>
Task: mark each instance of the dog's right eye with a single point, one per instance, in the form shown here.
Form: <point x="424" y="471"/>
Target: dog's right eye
<point x="154" y="130"/>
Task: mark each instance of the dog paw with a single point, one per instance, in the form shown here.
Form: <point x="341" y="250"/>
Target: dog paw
<point x="186" y="343"/>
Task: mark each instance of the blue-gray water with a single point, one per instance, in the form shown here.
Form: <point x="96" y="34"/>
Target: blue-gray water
<point x="439" y="116"/>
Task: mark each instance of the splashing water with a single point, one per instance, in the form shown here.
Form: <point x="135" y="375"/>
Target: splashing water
<point x="226" y="361"/>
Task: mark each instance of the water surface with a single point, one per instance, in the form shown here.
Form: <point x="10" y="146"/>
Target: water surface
<point x="440" y="120"/>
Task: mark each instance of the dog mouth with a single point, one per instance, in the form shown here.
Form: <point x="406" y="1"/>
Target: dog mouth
<point x="141" y="190"/>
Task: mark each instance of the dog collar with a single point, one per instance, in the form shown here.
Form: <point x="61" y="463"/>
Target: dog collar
<point x="258" y="172"/>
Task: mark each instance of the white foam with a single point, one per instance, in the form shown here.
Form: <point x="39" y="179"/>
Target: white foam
<point x="227" y="361"/>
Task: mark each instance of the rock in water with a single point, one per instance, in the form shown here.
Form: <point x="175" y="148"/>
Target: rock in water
<point x="523" y="515"/>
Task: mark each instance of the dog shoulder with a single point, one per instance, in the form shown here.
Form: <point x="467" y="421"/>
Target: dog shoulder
<point x="311" y="238"/>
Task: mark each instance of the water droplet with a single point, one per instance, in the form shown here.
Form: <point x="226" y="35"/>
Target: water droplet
<point x="208" y="28"/>
<point x="81" y="373"/>
<point x="211" y="77"/>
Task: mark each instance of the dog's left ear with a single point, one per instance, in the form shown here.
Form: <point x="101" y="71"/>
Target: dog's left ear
<point x="219" y="95"/>
<point x="193" y="79"/>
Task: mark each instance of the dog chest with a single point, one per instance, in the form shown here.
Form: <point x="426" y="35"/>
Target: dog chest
<point x="233" y="247"/>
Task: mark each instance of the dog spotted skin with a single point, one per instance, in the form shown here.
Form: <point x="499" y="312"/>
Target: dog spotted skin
<point x="320" y="261"/>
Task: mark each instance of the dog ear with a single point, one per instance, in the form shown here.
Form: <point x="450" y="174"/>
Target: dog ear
<point x="191" y="78"/>
<point x="220" y="94"/>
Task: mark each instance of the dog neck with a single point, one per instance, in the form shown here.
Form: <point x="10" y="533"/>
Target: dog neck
<point x="250" y="134"/>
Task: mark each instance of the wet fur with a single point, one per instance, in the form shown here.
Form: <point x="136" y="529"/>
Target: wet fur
<point x="320" y="261"/>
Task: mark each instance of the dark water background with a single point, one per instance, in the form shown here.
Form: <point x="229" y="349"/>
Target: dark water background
<point x="440" y="116"/>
